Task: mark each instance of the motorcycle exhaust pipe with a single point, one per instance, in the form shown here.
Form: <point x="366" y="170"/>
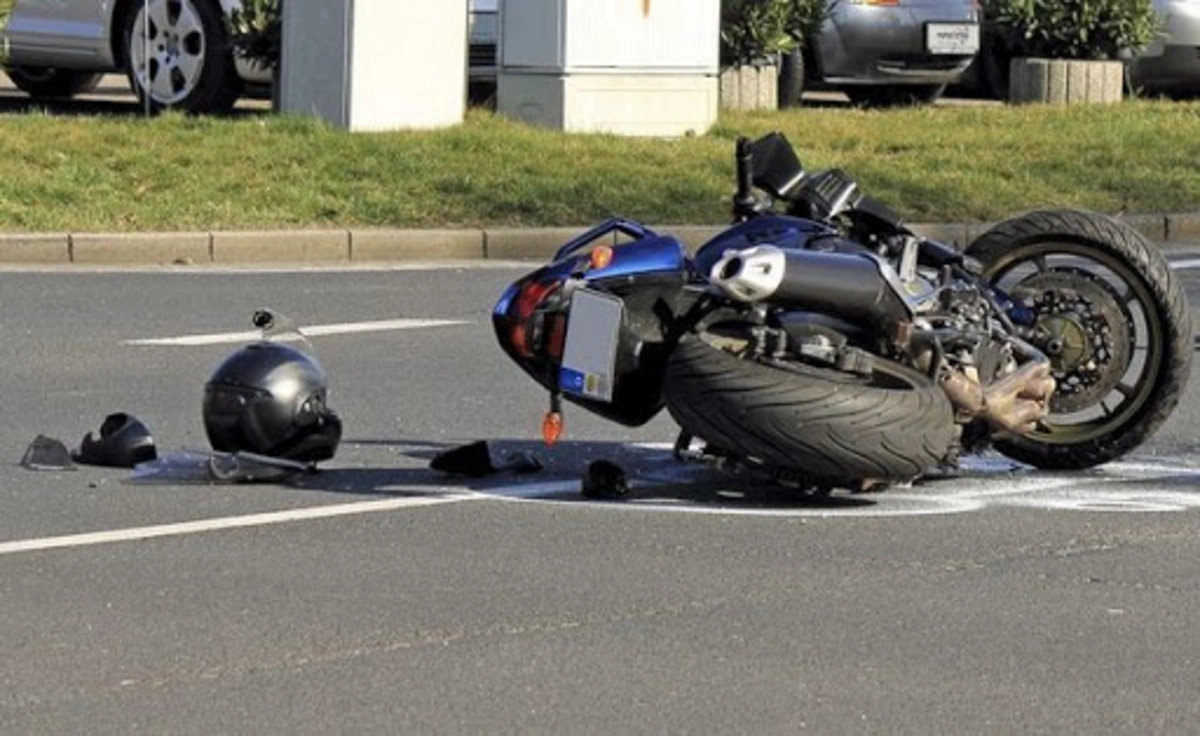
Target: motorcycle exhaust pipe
<point x="852" y="286"/>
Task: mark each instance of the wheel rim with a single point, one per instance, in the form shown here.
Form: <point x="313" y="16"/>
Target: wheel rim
<point x="1096" y="320"/>
<point x="168" y="53"/>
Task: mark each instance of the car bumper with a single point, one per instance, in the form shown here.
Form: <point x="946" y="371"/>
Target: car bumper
<point x="1173" y="61"/>
<point x="1177" y="68"/>
<point x="869" y="44"/>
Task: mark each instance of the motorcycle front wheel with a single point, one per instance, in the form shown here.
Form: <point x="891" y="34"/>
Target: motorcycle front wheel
<point x="827" y="425"/>
<point x="1114" y="321"/>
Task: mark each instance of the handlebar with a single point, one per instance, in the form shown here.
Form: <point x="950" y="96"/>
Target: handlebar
<point x="744" y="201"/>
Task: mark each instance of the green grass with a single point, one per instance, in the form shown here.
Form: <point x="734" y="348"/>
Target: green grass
<point x="942" y="163"/>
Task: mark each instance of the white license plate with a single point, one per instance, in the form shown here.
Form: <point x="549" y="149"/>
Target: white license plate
<point x="959" y="39"/>
<point x="590" y="355"/>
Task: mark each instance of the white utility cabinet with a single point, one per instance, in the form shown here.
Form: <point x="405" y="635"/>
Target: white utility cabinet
<point x="632" y="67"/>
<point x="374" y="65"/>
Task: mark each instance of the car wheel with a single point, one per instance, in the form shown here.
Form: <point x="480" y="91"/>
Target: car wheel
<point x="178" y="56"/>
<point x="791" y="78"/>
<point x="48" y="81"/>
<point x="895" y="95"/>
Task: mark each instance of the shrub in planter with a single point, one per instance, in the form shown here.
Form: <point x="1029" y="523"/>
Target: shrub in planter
<point x="754" y="31"/>
<point x="5" y="9"/>
<point x="1067" y="50"/>
<point x="804" y="20"/>
<point x="1072" y="29"/>
<point x="256" y="32"/>
<point x="753" y="35"/>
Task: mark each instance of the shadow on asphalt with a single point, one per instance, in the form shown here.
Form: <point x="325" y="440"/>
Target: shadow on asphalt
<point x="653" y="474"/>
<point x="16" y="103"/>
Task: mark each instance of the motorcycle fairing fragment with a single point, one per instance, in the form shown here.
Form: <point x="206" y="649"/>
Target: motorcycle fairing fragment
<point x="475" y="460"/>
<point x="47" y="453"/>
<point x="200" y="466"/>
<point x="122" y="442"/>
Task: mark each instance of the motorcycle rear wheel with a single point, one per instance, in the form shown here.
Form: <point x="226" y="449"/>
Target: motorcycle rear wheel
<point x="1114" y="321"/>
<point x="832" y="427"/>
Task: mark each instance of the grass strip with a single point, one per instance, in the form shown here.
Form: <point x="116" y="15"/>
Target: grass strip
<point x="123" y="173"/>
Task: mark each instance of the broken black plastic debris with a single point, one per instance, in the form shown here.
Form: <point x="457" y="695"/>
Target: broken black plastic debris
<point x="604" y="479"/>
<point x="475" y="460"/>
<point x="124" y="442"/>
<point x="47" y="453"/>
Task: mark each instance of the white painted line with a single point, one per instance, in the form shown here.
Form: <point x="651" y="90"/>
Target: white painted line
<point x="229" y="522"/>
<point x="345" y="328"/>
<point x="1185" y="263"/>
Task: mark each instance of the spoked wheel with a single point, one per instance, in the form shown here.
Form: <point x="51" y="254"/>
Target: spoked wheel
<point x="1114" y="321"/>
<point x="178" y="56"/>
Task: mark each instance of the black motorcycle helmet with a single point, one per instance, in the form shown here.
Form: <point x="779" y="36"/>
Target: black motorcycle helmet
<point x="269" y="398"/>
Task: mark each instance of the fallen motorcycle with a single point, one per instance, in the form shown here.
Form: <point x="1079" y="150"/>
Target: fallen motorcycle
<point x="822" y="341"/>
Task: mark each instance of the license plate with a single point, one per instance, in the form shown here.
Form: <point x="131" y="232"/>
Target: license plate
<point x="590" y="355"/>
<point x="959" y="39"/>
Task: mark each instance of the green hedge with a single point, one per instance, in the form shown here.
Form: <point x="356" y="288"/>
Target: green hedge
<point x="1072" y="29"/>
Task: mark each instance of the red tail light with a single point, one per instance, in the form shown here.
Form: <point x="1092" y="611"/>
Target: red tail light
<point x="524" y="315"/>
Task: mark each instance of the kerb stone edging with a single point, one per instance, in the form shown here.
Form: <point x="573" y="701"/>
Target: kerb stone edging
<point x="1173" y="231"/>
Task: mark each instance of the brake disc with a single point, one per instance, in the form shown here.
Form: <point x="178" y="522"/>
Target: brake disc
<point x="1086" y="330"/>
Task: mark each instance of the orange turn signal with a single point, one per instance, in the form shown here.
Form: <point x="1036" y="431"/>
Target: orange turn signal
<point x="552" y="427"/>
<point x="602" y="255"/>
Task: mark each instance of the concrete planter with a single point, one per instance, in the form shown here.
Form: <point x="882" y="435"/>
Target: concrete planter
<point x="1065" y="81"/>
<point x="750" y="87"/>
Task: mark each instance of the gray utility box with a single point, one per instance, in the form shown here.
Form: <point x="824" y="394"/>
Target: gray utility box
<point x="632" y="67"/>
<point x="372" y="65"/>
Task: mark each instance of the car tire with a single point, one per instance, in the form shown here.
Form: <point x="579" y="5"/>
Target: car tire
<point x="52" y="82"/>
<point x="895" y="95"/>
<point x="189" y="65"/>
<point x="791" y="78"/>
<point x="994" y="59"/>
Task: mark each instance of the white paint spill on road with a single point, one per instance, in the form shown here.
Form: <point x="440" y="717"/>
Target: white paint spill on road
<point x="229" y="522"/>
<point x="344" y="328"/>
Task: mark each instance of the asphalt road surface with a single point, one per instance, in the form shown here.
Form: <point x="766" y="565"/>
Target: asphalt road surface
<point x="380" y="596"/>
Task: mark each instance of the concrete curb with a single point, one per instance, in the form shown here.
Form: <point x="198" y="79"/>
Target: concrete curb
<point x="1173" y="232"/>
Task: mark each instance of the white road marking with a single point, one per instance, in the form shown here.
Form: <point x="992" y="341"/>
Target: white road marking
<point x="211" y="269"/>
<point x="344" y="328"/>
<point x="229" y="522"/>
<point x="1185" y="263"/>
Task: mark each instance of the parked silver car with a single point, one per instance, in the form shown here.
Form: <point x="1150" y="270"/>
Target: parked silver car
<point x="1171" y="65"/>
<point x="886" y="52"/>
<point x="175" y="52"/>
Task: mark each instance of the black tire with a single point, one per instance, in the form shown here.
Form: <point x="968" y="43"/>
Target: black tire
<point x="895" y="95"/>
<point x="47" y="82"/>
<point x="993" y="62"/>
<point x="791" y="78"/>
<point x="1153" y="290"/>
<point x="216" y="85"/>
<point x="828" y="425"/>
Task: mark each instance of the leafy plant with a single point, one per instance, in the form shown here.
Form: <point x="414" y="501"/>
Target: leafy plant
<point x="1072" y="29"/>
<point x="5" y="11"/>
<point x="755" y="31"/>
<point x="256" y="31"/>
<point x="805" y="17"/>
